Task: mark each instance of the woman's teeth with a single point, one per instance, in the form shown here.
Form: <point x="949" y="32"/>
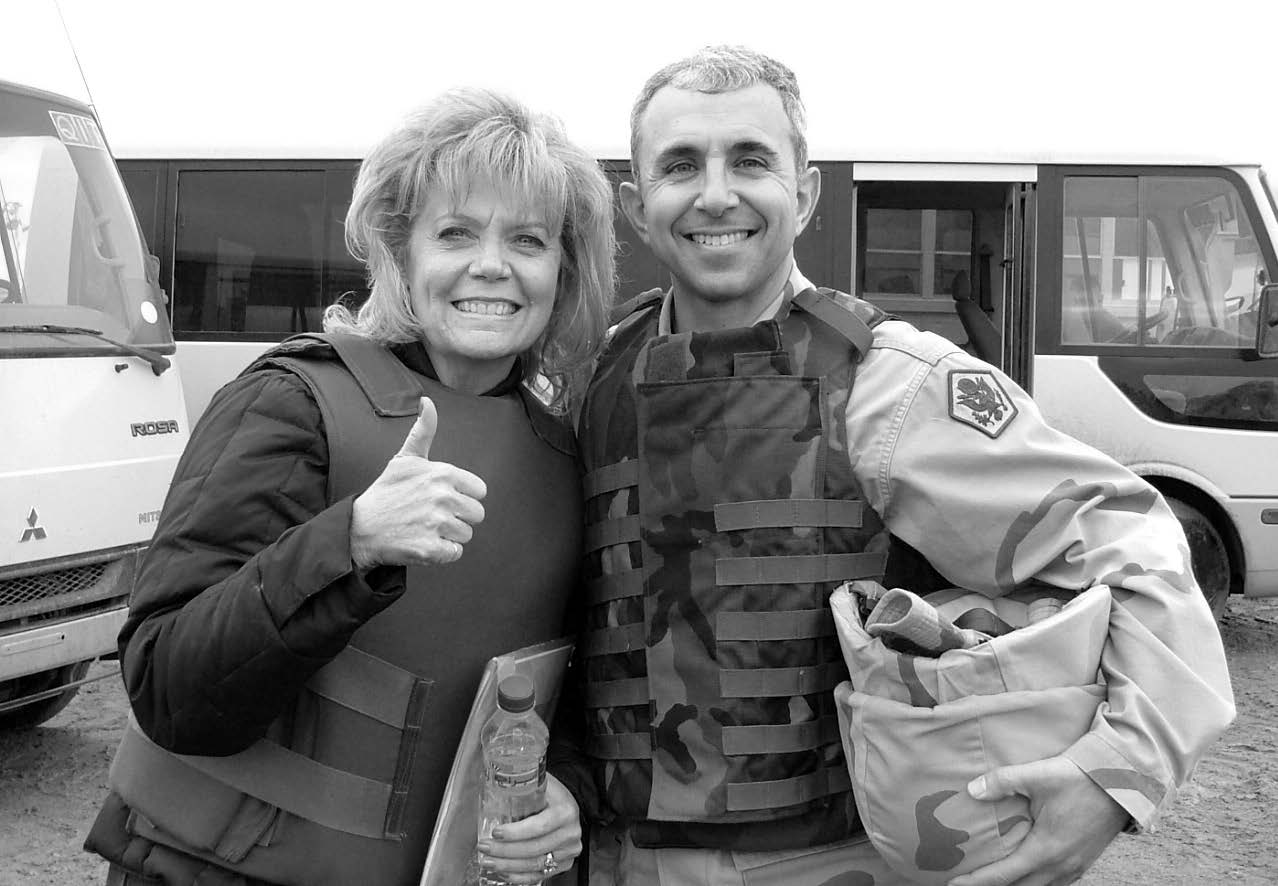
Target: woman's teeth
<point x="496" y="308"/>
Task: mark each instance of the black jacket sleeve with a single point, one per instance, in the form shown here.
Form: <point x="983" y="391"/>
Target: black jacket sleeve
<point x="248" y="585"/>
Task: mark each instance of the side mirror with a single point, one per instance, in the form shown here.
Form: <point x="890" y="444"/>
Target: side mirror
<point x="1267" y="322"/>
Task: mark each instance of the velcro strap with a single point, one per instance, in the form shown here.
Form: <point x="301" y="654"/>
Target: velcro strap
<point x="341" y="801"/>
<point x="780" y="682"/>
<point x="367" y="685"/>
<point x="391" y="387"/>
<point x="617" y="693"/>
<point x="610" y="641"/>
<point x="610" y="478"/>
<point x="615" y="586"/>
<point x="793" y="625"/>
<point x="611" y="532"/>
<point x="786" y="738"/>
<point x="798" y="570"/>
<point x="787" y="512"/>
<point x="788" y="791"/>
<point x="829" y="312"/>
<point x="620" y="746"/>
<point x="980" y="619"/>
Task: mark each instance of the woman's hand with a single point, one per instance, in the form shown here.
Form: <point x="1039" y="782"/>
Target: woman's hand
<point x="418" y="511"/>
<point x="518" y="850"/>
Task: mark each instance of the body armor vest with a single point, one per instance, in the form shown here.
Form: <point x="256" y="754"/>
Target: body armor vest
<point x="346" y="786"/>
<point x="721" y="512"/>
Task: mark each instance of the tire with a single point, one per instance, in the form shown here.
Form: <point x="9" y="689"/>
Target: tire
<point x="1208" y="554"/>
<point x="32" y="715"/>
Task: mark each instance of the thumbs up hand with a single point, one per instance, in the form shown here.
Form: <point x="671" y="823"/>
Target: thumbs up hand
<point x="417" y="511"/>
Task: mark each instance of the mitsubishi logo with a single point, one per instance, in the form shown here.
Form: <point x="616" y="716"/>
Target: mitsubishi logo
<point x="33" y="532"/>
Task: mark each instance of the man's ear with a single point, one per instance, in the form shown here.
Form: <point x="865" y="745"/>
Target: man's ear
<point x="632" y="207"/>
<point x="808" y="192"/>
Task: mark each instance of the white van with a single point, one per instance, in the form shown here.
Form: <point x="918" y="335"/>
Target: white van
<point x="92" y="418"/>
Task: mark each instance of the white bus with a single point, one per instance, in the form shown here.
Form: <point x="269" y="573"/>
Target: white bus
<point x="1125" y="295"/>
<point x="92" y="419"/>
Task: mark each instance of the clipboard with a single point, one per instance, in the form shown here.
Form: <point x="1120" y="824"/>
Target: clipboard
<point x="452" y="845"/>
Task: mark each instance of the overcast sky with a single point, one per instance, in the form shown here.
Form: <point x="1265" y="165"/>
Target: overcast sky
<point x="973" y="77"/>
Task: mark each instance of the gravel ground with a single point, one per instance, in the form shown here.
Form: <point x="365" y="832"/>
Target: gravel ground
<point x="1221" y="830"/>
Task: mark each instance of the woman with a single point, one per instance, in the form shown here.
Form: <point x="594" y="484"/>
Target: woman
<point x="362" y="519"/>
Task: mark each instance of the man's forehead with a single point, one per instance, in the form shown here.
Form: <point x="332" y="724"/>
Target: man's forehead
<point x="683" y="118"/>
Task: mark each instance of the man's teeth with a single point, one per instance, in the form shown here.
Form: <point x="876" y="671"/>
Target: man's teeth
<point x="719" y="239"/>
<point x="496" y="308"/>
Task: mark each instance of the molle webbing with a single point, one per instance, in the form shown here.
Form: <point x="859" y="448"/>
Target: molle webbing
<point x="339" y="800"/>
<point x="721" y="512"/>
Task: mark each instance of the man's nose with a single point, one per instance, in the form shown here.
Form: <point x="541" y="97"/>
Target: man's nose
<point x="490" y="263"/>
<point x="718" y="194"/>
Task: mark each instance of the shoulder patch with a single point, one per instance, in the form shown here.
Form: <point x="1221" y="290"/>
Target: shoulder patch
<point x="977" y="399"/>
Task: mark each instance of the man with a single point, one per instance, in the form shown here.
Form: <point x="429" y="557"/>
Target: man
<point x="751" y="442"/>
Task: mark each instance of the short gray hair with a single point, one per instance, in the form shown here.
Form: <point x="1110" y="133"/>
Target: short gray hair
<point x="716" y="69"/>
<point x="469" y="136"/>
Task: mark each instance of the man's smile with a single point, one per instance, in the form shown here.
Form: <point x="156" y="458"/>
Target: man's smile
<point x="727" y="238"/>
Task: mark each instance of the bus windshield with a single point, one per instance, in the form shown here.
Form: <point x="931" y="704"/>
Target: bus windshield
<point x="72" y="254"/>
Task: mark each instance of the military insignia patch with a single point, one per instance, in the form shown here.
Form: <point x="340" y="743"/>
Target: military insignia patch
<point x="977" y="399"/>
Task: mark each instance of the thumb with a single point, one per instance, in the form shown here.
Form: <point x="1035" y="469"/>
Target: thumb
<point x="422" y="435"/>
<point x="1000" y="783"/>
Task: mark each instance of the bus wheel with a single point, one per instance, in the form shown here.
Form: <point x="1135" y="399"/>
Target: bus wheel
<point x="1208" y="554"/>
<point x="37" y="712"/>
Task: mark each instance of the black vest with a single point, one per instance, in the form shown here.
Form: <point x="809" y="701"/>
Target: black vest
<point x="346" y="786"/>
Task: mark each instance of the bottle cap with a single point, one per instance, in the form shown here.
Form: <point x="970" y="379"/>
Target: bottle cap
<point x="516" y="694"/>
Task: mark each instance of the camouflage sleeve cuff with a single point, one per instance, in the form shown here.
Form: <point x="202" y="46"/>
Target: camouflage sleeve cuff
<point x="1143" y="796"/>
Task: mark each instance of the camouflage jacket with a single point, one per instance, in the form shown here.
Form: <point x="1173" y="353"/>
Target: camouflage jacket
<point x="957" y="461"/>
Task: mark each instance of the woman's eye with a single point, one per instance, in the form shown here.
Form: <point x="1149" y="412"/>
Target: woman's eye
<point x="529" y="241"/>
<point x="454" y="233"/>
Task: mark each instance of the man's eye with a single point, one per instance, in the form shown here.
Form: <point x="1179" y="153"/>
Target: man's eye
<point x="753" y="163"/>
<point x="680" y="167"/>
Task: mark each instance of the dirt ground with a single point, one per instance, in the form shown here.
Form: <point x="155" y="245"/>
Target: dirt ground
<point x="1220" y="831"/>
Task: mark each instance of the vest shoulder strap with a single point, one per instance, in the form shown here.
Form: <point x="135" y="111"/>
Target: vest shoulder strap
<point x="353" y="381"/>
<point x="852" y="318"/>
<point x="634" y="305"/>
<point x="390" y="387"/>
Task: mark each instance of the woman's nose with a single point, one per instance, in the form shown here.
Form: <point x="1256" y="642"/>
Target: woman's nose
<point x="490" y="263"/>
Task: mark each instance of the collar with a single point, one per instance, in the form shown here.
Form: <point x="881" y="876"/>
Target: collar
<point x="795" y="284"/>
<point x="413" y="355"/>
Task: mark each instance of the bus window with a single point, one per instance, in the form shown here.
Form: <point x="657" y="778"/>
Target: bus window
<point x="71" y="253"/>
<point x="1157" y="262"/>
<point x="260" y="252"/>
<point x="925" y="252"/>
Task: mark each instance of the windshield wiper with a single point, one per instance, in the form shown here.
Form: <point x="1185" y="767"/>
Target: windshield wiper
<point x="158" y="362"/>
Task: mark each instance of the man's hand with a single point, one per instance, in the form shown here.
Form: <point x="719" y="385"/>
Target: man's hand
<point x="1074" y="820"/>
<point x="518" y="850"/>
<point x="418" y="511"/>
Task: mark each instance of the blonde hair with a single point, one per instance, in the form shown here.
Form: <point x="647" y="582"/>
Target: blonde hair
<point x="467" y="136"/>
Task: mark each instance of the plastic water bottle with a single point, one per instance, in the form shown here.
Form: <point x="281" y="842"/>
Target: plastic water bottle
<point x="514" y="743"/>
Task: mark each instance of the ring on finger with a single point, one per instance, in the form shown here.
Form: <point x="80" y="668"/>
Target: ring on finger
<point x="549" y="864"/>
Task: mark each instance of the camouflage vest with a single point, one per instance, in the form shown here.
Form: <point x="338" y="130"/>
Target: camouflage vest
<point x="721" y="512"/>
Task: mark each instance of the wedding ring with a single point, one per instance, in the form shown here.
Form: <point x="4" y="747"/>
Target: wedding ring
<point x="549" y="865"/>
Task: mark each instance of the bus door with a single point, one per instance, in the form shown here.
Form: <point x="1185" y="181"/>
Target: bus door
<point x="1149" y="282"/>
<point x="945" y="247"/>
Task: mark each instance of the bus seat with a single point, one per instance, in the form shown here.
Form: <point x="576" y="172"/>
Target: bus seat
<point x="1166" y="318"/>
<point x="983" y="339"/>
